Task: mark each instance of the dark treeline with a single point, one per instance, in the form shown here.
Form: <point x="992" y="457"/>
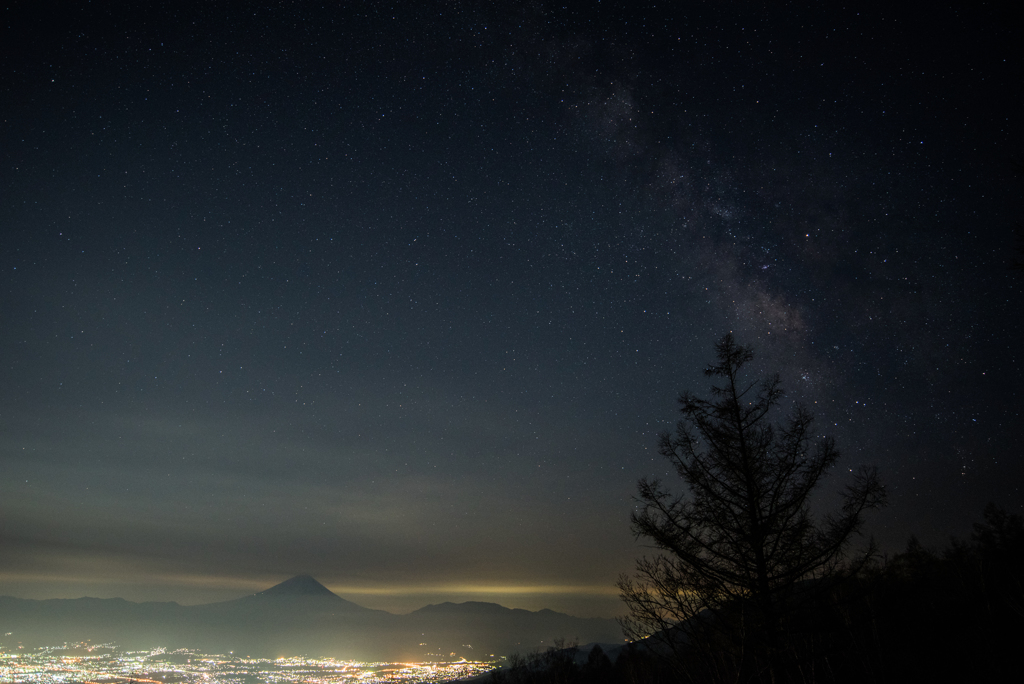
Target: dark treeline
<point x="922" y="615"/>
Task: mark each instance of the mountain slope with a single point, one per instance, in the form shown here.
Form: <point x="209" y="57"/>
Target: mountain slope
<point x="300" y="585"/>
<point x="301" y="593"/>
<point x="298" y="617"/>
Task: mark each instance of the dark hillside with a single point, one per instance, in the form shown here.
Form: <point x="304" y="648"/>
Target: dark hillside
<point x="922" y="616"/>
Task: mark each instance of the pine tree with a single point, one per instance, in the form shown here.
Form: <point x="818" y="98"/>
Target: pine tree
<point x="739" y="544"/>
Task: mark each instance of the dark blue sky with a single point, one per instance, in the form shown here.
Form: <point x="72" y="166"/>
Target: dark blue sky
<point x="401" y="297"/>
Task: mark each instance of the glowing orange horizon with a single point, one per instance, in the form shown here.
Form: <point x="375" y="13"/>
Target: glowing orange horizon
<point x="241" y="584"/>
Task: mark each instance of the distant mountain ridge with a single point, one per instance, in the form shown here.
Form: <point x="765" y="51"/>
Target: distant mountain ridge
<point x="474" y="607"/>
<point x="300" y="592"/>
<point x="299" y="616"/>
<point x="300" y="585"/>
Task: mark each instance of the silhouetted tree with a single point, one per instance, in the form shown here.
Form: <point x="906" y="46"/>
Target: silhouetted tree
<point x="950" y="615"/>
<point x="556" y="665"/>
<point x="740" y="542"/>
<point x="999" y="545"/>
<point x="598" y="668"/>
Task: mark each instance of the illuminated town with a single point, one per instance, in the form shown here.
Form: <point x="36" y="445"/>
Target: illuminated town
<point x="106" y="664"/>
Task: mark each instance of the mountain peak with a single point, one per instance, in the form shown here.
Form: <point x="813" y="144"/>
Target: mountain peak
<point x="300" y="585"/>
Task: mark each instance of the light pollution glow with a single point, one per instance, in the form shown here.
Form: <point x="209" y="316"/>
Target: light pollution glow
<point x="192" y="589"/>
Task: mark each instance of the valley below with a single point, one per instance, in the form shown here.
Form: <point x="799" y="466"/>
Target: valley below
<point x="108" y="664"/>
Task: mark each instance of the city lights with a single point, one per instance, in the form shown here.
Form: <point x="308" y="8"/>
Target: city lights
<point x="107" y="664"/>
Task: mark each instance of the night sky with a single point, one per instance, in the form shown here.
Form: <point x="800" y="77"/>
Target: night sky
<point x="402" y="296"/>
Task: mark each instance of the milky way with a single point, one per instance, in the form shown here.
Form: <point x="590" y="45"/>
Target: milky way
<point x="402" y="297"/>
